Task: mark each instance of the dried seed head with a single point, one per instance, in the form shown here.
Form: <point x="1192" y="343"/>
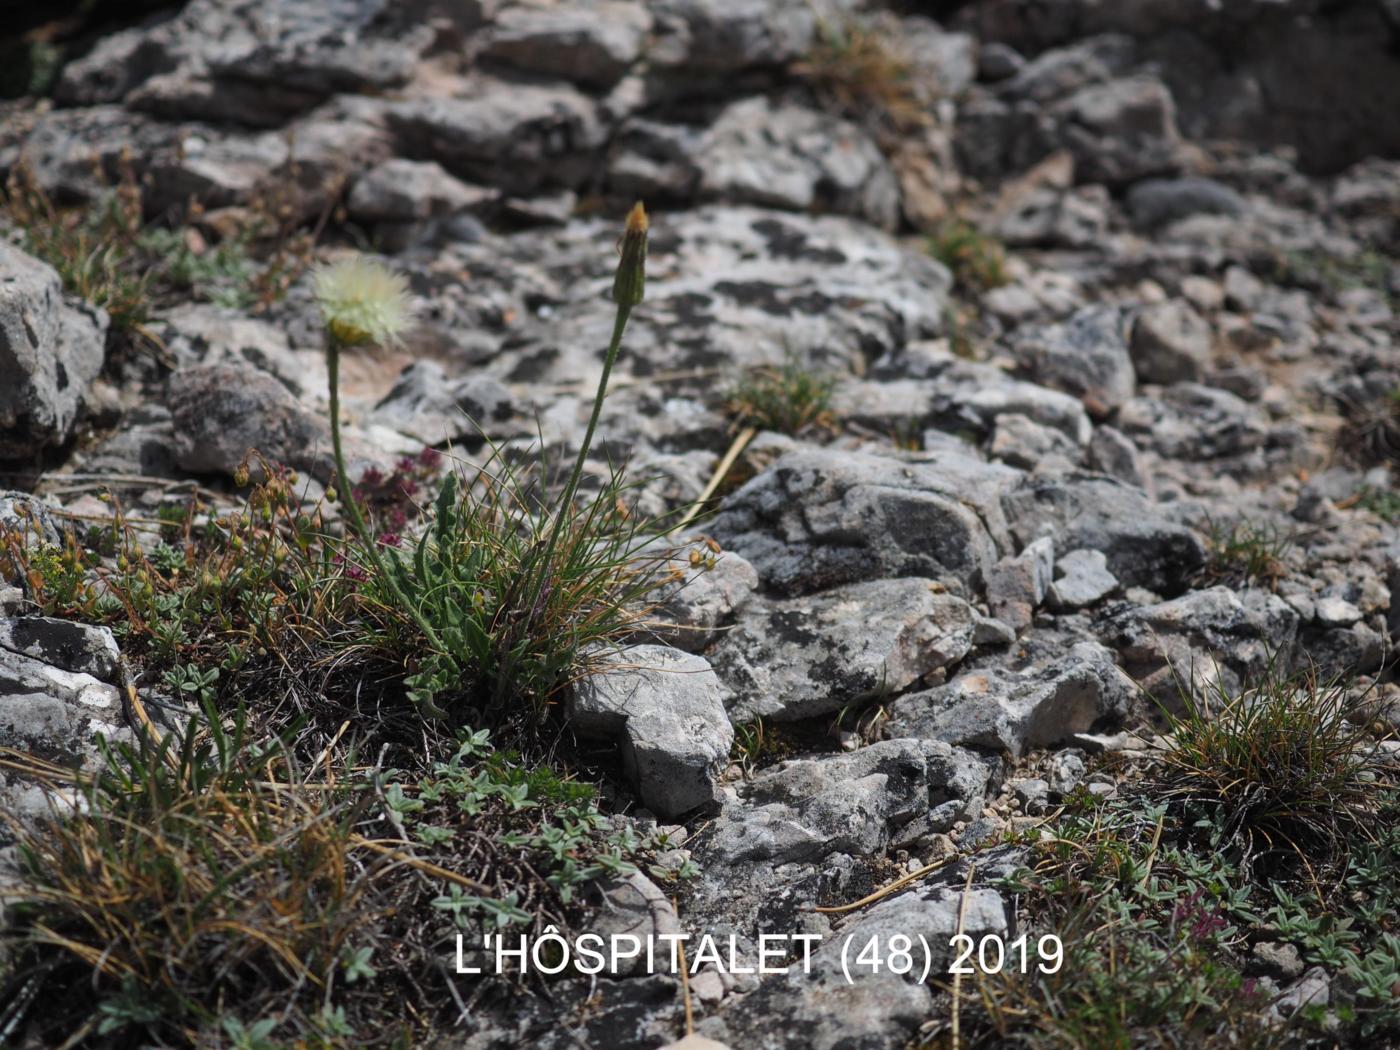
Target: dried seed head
<point x="363" y="301"/>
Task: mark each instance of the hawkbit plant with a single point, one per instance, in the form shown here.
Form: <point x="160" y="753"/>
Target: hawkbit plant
<point x="364" y="303"/>
<point x="506" y="597"/>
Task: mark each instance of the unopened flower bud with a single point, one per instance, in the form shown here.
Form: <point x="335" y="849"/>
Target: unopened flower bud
<point x="631" y="278"/>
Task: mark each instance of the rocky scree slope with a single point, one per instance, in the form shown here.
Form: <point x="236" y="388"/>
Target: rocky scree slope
<point x="1004" y="539"/>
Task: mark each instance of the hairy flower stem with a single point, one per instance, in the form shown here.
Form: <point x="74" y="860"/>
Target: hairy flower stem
<point x="352" y="507"/>
<point x="628" y="285"/>
<point x="624" y="311"/>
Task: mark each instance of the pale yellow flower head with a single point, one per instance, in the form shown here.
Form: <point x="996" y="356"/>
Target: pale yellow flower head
<point x="363" y="301"/>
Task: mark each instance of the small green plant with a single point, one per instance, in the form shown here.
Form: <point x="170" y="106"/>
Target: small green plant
<point x="514" y="588"/>
<point x="976" y="261"/>
<point x="221" y="273"/>
<point x="1382" y="502"/>
<point x="1247" y="552"/>
<point x="1331" y="274"/>
<point x="107" y="253"/>
<point x="93" y="249"/>
<point x="788" y="398"/>
<point x="1280" y="767"/>
<point x="861" y="70"/>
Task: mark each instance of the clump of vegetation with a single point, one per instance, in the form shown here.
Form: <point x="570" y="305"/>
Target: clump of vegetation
<point x="1267" y="818"/>
<point x="1157" y="937"/>
<point x="1382" y="502"/>
<point x="212" y="883"/>
<point x="1246" y="552"/>
<point x="976" y="261"/>
<point x="206" y="876"/>
<point x="309" y="829"/>
<point x="787" y="398"/>
<point x="761" y="743"/>
<point x="509" y="593"/>
<point x="109" y="254"/>
<point x="862" y="71"/>
<point x="1280" y="767"/>
<point x="1324" y="272"/>
<point x="94" y="250"/>
<point x="1371" y="436"/>
<point x="1152" y="939"/>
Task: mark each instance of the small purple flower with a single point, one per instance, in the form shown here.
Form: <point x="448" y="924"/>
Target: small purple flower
<point x="390" y="539"/>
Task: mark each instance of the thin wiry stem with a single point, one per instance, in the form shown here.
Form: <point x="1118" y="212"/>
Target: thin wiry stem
<point x="352" y="508"/>
<point x="538" y="592"/>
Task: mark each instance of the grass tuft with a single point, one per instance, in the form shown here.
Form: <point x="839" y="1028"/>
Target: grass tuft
<point x="518" y="622"/>
<point x="787" y="398"/>
<point x="109" y="254"/>
<point x="1246" y="553"/>
<point x="976" y="261"/>
<point x="214" y="884"/>
<point x="205" y="874"/>
<point x="863" y="72"/>
<point x="1281" y="767"/>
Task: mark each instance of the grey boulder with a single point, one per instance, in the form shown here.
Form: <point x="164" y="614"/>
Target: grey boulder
<point x="1009" y="711"/>
<point x="810" y="656"/>
<point x="1086" y="355"/>
<point x="1171" y="343"/>
<point x="1083" y="579"/>
<point x="666" y="709"/>
<point x="56" y="688"/>
<point x="51" y="348"/>
<point x="591" y="45"/>
<point x="1016" y="586"/>
<point x="818" y="518"/>
<point x="220" y="412"/>
<point x="1204" y="640"/>
<point x="1156" y="202"/>
<point x="1143" y="547"/>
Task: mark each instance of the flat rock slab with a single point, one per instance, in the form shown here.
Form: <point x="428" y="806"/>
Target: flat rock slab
<point x="821" y="517"/>
<point x="52" y="712"/>
<point x="1009" y="711"/>
<point x="812" y="656"/>
<point x="64" y="644"/>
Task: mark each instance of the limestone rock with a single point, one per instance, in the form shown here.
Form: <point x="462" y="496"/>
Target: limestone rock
<point x="666" y="709"/>
<point x="51" y="348"/>
<point x="814" y="655"/>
